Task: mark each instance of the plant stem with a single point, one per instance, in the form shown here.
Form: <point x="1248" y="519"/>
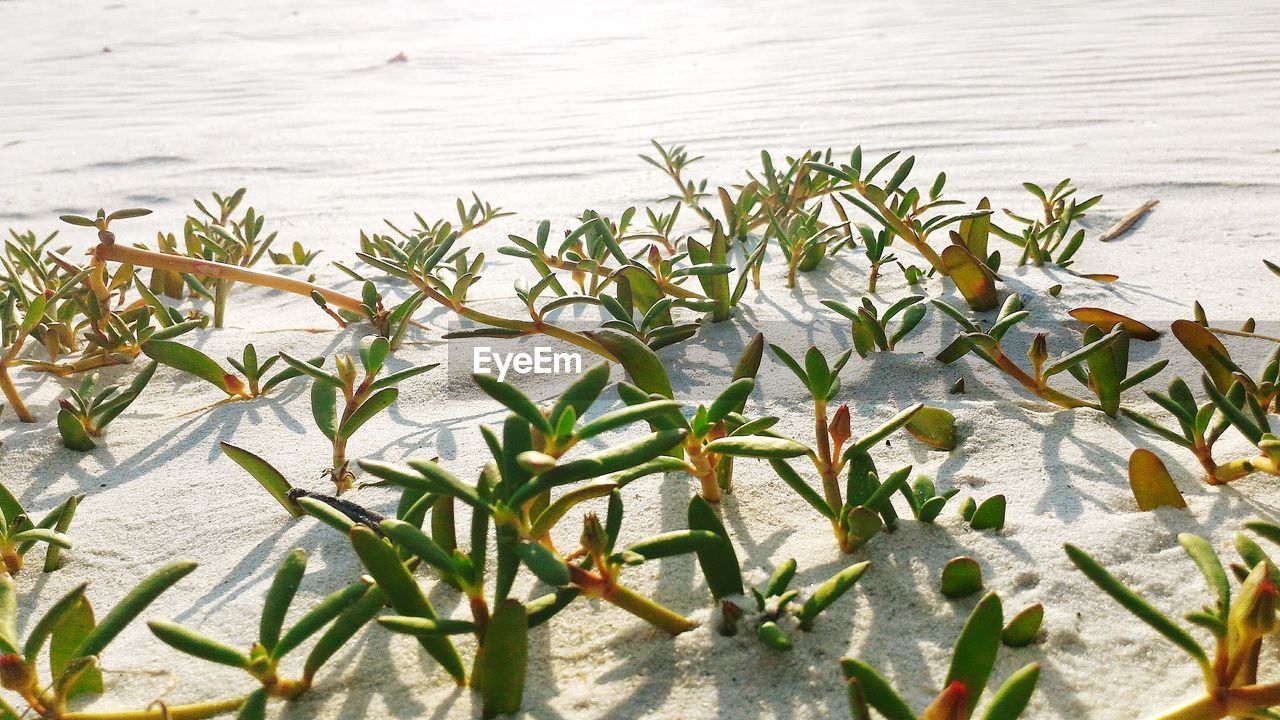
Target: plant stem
<point x="220" y="292"/>
<point x="208" y="268"/>
<point x="647" y="610"/>
<point x="1242" y="333"/>
<point x="196" y="711"/>
<point x="12" y="396"/>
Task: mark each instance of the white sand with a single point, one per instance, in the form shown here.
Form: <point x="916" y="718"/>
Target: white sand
<point x="542" y="110"/>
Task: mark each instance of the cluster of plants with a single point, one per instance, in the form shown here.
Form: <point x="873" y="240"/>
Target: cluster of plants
<point x="645" y="281"/>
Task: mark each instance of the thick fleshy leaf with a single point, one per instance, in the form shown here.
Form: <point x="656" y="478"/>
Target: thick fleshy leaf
<point x="989" y="515"/>
<point x="719" y="562"/>
<point x="130" y="606"/>
<point x="191" y="361"/>
<point x="1024" y="626"/>
<point x="970" y="277"/>
<point x="73" y="432"/>
<point x="394" y="579"/>
<point x="961" y="577"/>
<point x="934" y="427"/>
<point x="875" y="690"/>
<point x="1151" y="483"/>
<point x="193" y="643"/>
<point x="757" y="446"/>
<point x="372" y="405"/>
<point x="1207" y="349"/>
<point x="68" y="634"/>
<point x="1106" y="320"/>
<point x="265" y="473"/>
<point x="1135" y="604"/>
<point x="1011" y="699"/>
<point x="504" y="660"/>
<point x="828" y="592"/>
<point x="976" y="649"/>
<point x="284" y="586"/>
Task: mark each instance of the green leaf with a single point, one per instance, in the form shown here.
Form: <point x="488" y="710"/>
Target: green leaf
<point x="626" y="416"/>
<point x="68" y="633"/>
<point x="1135" y="604"/>
<point x="934" y="427"/>
<point x="513" y="400"/>
<point x="1150" y="482"/>
<point x="130" y="606"/>
<point x="374" y="404"/>
<point x="828" y="592"/>
<point x="8" y="615"/>
<point x="961" y="577"/>
<point x="265" y="473"/>
<point x="403" y="592"/>
<point x="545" y="564"/>
<point x="676" y="542"/>
<point x="73" y="432"/>
<point x="197" y="645"/>
<point x="504" y="660"/>
<point x="719" y="562"/>
<point x="354" y="617"/>
<point x="284" y="586"/>
<point x="797" y="483"/>
<point x="188" y="360"/>
<point x="324" y="408"/>
<point x="317" y="617"/>
<point x="1202" y="554"/>
<point x="642" y="364"/>
<point x="989" y="515"/>
<point x="1014" y="695"/>
<point x="757" y="446"/>
<point x="1024" y="626"/>
<point x="875" y="690"/>
<point x="549" y="517"/>
<point x="976" y="649"/>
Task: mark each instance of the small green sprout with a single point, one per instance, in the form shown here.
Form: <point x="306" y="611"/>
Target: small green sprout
<point x="987" y="515"/>
<point x="870" y="329"/>
<point x="1023" y="628"/>
<point x="961" y="577"/>
<point x="910" y="273"/>
<point x="925" y="501"/>
<point x="18" y="534"/>
<point x="673" y="160"/>
<point x="1040" y="237"/>
<point x="76" y="642"/>
<point x="344" y="612"/>
<point x="776" y="603"/>
<point x="1238" y="624"/>
<point x="232" y="242"/>
<point x="20" y="316"/>
<point x="971" y="666"/>
<point x="297" y="255"/>
<point x="389" y="323"/>
<point x="875" y="246"/>
<point x="86" y="414"/>
<point x="803" y="241"/>
<point x="362" y="398"/>
<point x="855" y="515"/>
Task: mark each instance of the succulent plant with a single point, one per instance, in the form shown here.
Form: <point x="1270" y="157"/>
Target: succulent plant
<point x="362" y="398"/>
<point x="971" y="666"/>
<point x="86" y="414"/>
<point x="76" y="641"/>
<point x="340" y="615"/>
<point x="1239" y="625"/>
<point x="18" y="533"/>
<point x="855" y="515"/>
<point x="1050" y="231"/>
<point x="252" y="381"/>
<point x="776" y="605"/>
<point x="870" y="330"/>
<point x="1101" y="364"/>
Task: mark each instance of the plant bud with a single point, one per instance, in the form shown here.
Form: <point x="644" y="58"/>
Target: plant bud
<point x="1253" y="614"/>
<point x="839" y="430"/>
<point x="1039" y="350"/>
<point x="594" y="538"/>
<point x="952" y="704"/>
<point x="14" y="673"/>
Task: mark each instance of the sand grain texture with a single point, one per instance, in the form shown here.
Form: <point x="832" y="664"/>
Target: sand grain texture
<point x="541" y="108"/>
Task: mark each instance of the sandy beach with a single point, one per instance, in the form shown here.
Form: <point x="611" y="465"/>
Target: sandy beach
<point x="542" y="109"/>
